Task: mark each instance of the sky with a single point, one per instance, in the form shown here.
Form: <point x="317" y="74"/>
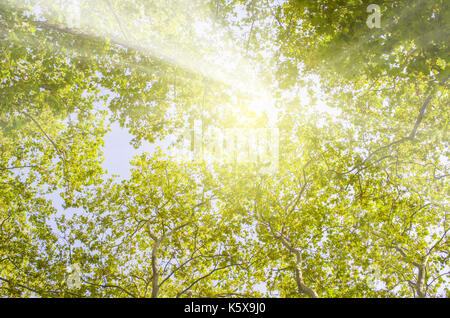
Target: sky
<point x="118" y="151"/>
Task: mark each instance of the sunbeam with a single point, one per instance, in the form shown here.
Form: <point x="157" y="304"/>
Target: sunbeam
<point x="200" y="45"/>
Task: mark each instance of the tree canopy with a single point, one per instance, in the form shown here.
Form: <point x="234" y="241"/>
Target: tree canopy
<point x="357" y="207"/>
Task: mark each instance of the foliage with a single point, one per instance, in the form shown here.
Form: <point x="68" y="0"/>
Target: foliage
<point x="358" y="207"/>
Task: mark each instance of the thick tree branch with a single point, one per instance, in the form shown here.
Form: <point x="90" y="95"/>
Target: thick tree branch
<point x="410" y="137"/>
<point x="302" y="287"/>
